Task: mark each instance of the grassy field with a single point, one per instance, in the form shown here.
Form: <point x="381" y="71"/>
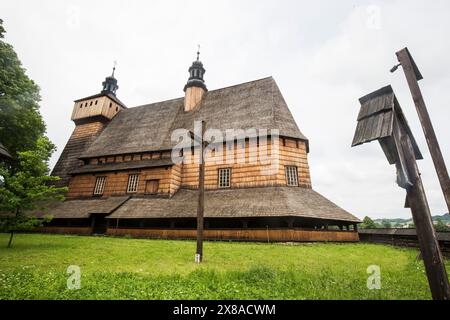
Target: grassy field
<point x="119" y="268"/>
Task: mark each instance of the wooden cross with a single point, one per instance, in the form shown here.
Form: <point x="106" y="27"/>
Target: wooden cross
<point x="381" y="118"/>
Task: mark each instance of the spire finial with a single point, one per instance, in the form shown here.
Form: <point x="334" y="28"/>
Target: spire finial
<point x="110" y="83"/>
<point x="114" y="68"/>
<point x="198" y="52"/>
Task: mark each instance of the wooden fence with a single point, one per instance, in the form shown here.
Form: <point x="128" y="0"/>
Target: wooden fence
<point x="402" y="238"/>
<point x="260" y="235"/>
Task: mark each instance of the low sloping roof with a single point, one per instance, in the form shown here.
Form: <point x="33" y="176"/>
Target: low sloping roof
<point x="233" y="203"/>
<point x="3" y="152"/>
<point x="257" y="104"/>
<point x="127" y="165"/>
<point x="78" y="209"/>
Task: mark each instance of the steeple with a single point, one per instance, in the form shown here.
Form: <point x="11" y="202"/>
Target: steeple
<point x="196" y="72"/>
<point x="110" y="83"/>
<point x="195" y="86"/>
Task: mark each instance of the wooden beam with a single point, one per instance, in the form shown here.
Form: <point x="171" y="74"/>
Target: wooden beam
<point x="201" y="197"/>
<point x="244" y="223"/>
<point x="290" y="222"/>
<point x="408" y="64"/>
<point x="429" y="247"/>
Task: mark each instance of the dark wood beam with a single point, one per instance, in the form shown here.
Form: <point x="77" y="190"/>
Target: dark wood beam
<point x="412" y="76"/>
<point x="201" y="197"/>
<point x="429" y="247"/>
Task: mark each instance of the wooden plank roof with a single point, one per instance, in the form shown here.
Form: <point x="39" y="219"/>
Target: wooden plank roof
<point x="376" y="121"/>
<point x="257" y="104"/>
<point x="236" y="203"/>
<point x="375" y="118"/>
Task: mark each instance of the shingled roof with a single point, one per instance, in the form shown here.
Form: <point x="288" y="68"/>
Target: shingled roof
<point x="257" y="104"/>
<point x="236" y="203"/>
<point x="81" y="209"/>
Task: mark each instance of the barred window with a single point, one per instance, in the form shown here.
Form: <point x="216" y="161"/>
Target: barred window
<point x="133" y="182"/>
<point x="99" y="186"/>
<point x="224" y="178"/>
<point x="291" y="176"/>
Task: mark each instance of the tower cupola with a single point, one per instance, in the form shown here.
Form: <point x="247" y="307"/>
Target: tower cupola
<point x="195" y="87"/>
<point x="110" y="83"/>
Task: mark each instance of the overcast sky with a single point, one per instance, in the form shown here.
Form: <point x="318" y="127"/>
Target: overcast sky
<point x="324" y="55"/>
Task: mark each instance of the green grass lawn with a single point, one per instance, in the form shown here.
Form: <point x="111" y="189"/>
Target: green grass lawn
<point x="119" y="268"/>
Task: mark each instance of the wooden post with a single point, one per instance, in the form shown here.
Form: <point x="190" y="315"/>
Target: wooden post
<point x="201" y="197"/>
<point x="429" y="247"/>
<point x="411" y="74"/>
<point x="290" y="222"/>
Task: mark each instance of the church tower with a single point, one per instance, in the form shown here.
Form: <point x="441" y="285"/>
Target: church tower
<point x="102" y="105"/>
<point x="91" y="115"/>
<point x="195" y="88"/>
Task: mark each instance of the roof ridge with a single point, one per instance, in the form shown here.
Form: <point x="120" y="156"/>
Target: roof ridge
<point x="153" y="103"/>
<point x="242" y="83"/>
<point x="209" y="91"/>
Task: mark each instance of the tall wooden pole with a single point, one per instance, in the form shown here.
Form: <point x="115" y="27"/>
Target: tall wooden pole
<point x="429" y="246"/>
<point x="201" y="197"/>
<point x="411" y="76"/>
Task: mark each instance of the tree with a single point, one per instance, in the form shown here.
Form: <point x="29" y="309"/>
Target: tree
<point x="441" y="226"/>
<point x="27" y="190"/>
<point x="21" y="124"/>
<point x="2" y="30"/>
<point x="386" y="224"/>
<point x="368" y="223"/>
<point x="24" y="182"/>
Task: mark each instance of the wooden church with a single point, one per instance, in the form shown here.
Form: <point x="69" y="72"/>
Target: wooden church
<point x="123" y="180"/>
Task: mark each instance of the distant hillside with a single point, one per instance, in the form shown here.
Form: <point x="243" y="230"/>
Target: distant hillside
<point x="398" y="221"/>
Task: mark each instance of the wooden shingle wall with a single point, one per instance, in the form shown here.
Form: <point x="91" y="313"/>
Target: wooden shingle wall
<point x="117" y="182"/>
<point x="99" y="106"/>
<point x="252" y="172"/>
<point x="245" y="173"/>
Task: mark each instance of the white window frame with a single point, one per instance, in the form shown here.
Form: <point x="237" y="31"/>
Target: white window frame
<point x="133" y="183"/>
<point x="224" y="178"/>
<point x="99" y="186"/>
<point x="291" y="176"/>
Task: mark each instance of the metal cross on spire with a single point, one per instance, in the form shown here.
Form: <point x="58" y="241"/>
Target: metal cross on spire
<point x="114" y="68"/>
<point x="198" y="52"/>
